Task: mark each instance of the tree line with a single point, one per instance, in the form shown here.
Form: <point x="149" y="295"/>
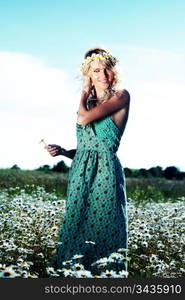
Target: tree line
<point x="170" y="172"/>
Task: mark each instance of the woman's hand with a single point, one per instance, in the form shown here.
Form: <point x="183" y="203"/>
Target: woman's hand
<point x="55" y="150"/>
<point x="87" y="85"/>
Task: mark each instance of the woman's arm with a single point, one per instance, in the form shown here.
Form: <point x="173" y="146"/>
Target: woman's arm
<point x="70" y="153"/>
<point x="55" y="150"/>
<point x="120" y="100"/>
<point x="83" y="103"/>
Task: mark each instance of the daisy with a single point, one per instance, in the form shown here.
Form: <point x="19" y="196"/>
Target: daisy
<point x="67" y="273"/>
<point x="115" y="255"/>
<point x="67" y="262"/>
<point x="83" y="274"/>
<point x="2" y="267"/>
<point x="90" y="242"/>
<point x="77" y="256"/>
<point x="108" y="274"/>
<point x="123" y="273"/>
<point x="77" y="267"/>
<point x="8" y="273"/>
<point x="50" y="270"/>
<point x="122" y="250"/>
<point x="102" y="260"/>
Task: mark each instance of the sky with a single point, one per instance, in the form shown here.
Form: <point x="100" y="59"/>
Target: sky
<point x="42" y="44"/>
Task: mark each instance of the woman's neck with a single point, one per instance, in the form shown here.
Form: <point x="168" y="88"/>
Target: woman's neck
<point x="99" y="94"/>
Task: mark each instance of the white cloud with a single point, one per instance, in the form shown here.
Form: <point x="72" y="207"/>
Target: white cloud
<point x="36" y="101"/>
<point x="155" y="79"/>
<point x="40" y="101"/>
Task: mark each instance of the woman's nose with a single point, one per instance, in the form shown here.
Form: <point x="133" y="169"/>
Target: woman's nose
<point x="103" y="74"/>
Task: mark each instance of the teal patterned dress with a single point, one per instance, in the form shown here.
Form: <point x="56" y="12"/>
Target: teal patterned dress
<point x="95" y="222"/>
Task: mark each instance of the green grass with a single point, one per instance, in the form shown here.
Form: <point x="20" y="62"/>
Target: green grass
<point x="142" y="190"/>
<point x="28" y="179"/>
<point x="31" y="216"/>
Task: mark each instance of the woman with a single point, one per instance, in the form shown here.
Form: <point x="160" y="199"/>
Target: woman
<point x="95" y="223"/>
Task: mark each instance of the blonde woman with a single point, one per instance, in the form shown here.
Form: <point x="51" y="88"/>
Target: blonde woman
<point x="95" y="222"/>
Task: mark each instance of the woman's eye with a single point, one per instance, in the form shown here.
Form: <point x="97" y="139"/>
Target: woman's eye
<point x="96" y="71"/>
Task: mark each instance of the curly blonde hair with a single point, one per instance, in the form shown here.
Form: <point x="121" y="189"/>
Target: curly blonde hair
<point x="110" y="62"/>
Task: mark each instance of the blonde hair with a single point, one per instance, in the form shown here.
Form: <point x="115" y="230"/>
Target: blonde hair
<point x="110" y="62"/>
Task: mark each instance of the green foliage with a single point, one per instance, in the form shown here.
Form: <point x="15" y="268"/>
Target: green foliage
<point x="150" y="193"/>
<point x="29" y="229"/>
<point x="141" y="190"/>
<point x="159" y="189"/>
<point x="60" y="167"/>
<point x="44" y="168"/>
<point x="168" y="173"/>
<point x="51" y="181"/>
<point x="15" y="167"/>
<point x="171" y="172"/>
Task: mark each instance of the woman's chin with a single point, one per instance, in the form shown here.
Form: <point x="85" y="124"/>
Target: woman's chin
<point x="104" y="86"/>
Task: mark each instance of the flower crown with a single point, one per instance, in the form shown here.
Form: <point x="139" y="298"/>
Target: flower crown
<point x="105" y="56"/>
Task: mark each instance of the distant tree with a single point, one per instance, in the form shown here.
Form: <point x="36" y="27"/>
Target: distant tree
<point x="171" y="172"/>
<point x="15" y="167"/>
<point x="156" y="171"/>
<point x="128" y="172"/>
<point x="60" y="167"/>
<point x="135" y="173"/>
<point x="143" y="173"/>
<point x="44" y="168"/>
<point x="180" y="175"/>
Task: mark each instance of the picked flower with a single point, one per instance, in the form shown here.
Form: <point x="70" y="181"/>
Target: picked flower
<point x="42" y="141"/>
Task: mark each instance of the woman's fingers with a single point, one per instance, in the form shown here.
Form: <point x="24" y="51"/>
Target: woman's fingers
<point x="52" y="149"/>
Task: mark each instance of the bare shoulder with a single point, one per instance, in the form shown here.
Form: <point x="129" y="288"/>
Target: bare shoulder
<point x="120" y="116"/>
<point x="123" y="94"/>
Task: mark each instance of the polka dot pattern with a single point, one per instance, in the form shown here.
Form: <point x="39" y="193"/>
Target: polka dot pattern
<point x="95" y="222"/>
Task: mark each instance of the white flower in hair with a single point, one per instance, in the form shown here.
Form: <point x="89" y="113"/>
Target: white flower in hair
<point x="105" y="56"/>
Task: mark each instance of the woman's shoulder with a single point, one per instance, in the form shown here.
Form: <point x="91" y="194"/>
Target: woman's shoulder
<point x="123" y="94"/>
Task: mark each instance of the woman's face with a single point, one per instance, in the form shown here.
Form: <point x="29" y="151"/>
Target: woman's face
<point x="101" y="75"/>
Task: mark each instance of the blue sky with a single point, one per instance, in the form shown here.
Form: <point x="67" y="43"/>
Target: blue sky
<point x="54" y="29"/>
<point x="42" y="44"/>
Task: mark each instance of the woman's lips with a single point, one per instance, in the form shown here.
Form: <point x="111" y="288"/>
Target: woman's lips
<point x="103" y="81"/>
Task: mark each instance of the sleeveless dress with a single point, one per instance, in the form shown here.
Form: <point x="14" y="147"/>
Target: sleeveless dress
<point x="95" y="222"/>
